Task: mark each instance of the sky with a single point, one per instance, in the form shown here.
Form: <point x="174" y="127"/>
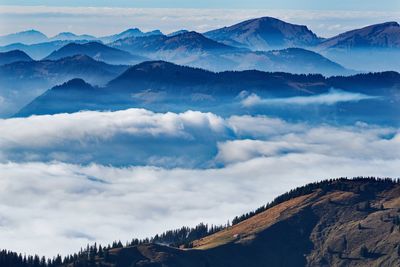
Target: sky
<point x="326" y="18"/>
<point x="385" y="5"/>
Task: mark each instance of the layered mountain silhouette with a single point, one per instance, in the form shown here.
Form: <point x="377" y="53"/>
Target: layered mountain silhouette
<point x="24" y="80"/>
<point x="339" y="222"/>
<point x="35" y="37"/>
<point x="78" y="66"/>
<point x="184" y="43"/>
<point x="135" y="32"/>
<point x="360" y="49"/>
<point x="369" y="48"/>
<point x="69" y="36"/>
<point x="265" y="33"/>
<point x="25" y="37"/>
<point x="163" y="86"/>
<point x="177" y="33"/>
<point x="40" y="50"/>
<point x="385" y="35"/>
<point x="293" y="60"/>
<point x="98" y="51"/>
<point x="13" y="56"/>
<point x="194" y="49"/>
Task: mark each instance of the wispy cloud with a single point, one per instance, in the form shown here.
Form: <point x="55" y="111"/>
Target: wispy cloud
<point x="108" y="20"/>
<point x="330" y="98"/>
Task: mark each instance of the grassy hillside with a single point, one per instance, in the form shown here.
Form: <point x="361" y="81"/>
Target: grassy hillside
<point x="340" y="222"/>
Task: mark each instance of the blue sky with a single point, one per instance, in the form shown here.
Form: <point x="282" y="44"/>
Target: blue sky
<point x="285" y="4"/>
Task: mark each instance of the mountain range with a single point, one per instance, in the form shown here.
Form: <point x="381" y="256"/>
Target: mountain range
<point x="135" y="32"/>
<point x="194" y="49"/>
<point x="25" y="37"/>
<point x="97" y="51"/>
<point x="338" y="222"/>
<point x="35" y="37"/>
<point x="22" y="81"/>
<point x="375" y="47"/>
<point x="40" y="50"/>
<point x="163" y="86"/>
<point x="264" y="34"/>
<point x="385" y="35"/>
<point x="236" y="47"/>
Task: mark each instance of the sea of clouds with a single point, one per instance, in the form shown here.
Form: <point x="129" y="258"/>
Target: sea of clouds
<point x="72" y="179"/>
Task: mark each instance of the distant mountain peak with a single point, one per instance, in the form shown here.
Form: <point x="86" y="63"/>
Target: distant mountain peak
<point x="155" y="32"/>
<point x="132" y="30"/>
<point x="25" y="37"/>
<point x="382" y="35"/>
<point x="129" y="33"/>
<point x="177" y="33"/>
<point x="13" y="56"/>
<point x="265" y="33"/>
<point x="390" y="24"/>
<point x="161" y="64"/>
<point x="75" y="83"/>
<point x="97" y="51"/>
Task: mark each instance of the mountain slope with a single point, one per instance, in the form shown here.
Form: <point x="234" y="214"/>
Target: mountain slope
<point x="75" y="94"/>
<point x="80" y="66"/>
<point x="25" y="37"/>
<point x="293" y="60"/>
<point x="332" y="223"/>
<point x="187" y="48"/>
<point x="384" y="35"/>
<point x="40" y="50"/>
<point x="265" y="33"/>
<point x="41" y="75"/>
<point x="194" y="49"/>
<point x="163" y="86"/>
<point x="97" y="51"/>
<point x="13" y="56"/>
<point x="184" y="43"/>
<point x="69" y="36"/>
<point x="135" y="32"/>
<point x="372" y="48"/>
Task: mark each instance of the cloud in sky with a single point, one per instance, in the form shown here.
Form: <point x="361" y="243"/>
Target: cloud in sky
<point x="331" y="98"/>
<point x="109" y="20"/>
<point x="290" y="4"/>
<point x="53" y="206"/>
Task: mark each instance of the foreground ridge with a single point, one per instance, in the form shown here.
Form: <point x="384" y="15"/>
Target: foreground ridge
<point x="355" y="222"/>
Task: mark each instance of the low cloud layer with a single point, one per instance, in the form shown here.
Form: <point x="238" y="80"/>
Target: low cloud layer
<point x="189" y="139"/>
<point x="50" y="202"/>
<point x="331" y="98"/>
<point x="133" y="136"/>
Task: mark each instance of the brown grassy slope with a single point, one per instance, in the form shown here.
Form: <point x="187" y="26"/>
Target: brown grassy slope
<point x="324" y="228"/>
